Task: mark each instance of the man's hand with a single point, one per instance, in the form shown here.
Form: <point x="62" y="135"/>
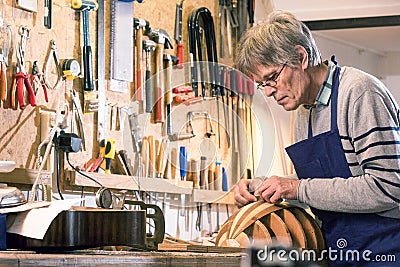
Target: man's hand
<point x="241" y="193"/>
<point x="275" y="188"/>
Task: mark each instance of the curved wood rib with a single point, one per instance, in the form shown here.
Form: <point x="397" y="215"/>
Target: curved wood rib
<point x="242" y="214"/>
<point x="308" y="227"/>
<point x="223" y="233"/>
<point x="295" y="229"/>
<point x="279" y="229"/>
<point x="261" y="235"/>
<point x="254" y="214"/>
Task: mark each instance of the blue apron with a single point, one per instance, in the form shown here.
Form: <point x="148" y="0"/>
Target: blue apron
<point x="322" y="156"/>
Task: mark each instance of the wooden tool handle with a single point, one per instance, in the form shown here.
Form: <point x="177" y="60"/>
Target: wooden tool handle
<point x="3" y="79"/>
<point x="211" y="185"/>
<point x="139" y="69"/>
<point x="218" y="177"/>
<point x="152" y="155"/>
<point x="173" y="162"/>
<point x="180" y="55"/>
<point x="168" y="97"/>
<point x="203" y="173"/>
<point x="194" y="169"/>
<point x="161" y="158"/>
<point x="145" y="157"/>
<point x="159" y="107"/>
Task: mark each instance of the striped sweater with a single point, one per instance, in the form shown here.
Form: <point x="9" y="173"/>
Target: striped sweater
<point x="369" y="127"/>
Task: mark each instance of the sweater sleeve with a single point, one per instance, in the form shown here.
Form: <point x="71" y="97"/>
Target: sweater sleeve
<point x="372" y="129"/>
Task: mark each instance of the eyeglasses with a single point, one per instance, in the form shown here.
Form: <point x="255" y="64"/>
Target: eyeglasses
<point x="272" y="81"/>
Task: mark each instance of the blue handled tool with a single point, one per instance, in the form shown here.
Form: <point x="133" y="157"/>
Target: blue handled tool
<point x="183" y="158"/>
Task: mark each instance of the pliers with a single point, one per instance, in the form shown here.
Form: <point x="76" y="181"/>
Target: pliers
<point x="22" y="76"/>
<point x="38" y="81"/>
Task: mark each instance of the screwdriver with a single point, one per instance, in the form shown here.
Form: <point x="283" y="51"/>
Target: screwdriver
<point x="183" y="158"/>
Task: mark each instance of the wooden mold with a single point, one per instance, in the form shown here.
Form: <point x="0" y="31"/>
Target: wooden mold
<point x="262" y="223"/>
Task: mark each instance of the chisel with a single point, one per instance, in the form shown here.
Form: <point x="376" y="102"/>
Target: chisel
<point x="183" y="158"/>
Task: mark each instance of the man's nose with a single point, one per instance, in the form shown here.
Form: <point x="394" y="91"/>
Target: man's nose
<point x="269" y="90"/>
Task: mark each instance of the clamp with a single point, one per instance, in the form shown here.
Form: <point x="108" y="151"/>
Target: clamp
<point x="53" y="54"/>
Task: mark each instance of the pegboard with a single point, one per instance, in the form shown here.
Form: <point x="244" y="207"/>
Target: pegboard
<point x="23" y="126"/>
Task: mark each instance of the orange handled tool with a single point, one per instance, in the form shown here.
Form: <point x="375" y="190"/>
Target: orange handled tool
<point x="3" y="78"/>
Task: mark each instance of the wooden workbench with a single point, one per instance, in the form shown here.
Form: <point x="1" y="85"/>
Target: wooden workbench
<point x="119" y="258"/>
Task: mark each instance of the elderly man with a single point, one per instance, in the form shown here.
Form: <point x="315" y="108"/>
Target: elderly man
<point x="347" y="149"/>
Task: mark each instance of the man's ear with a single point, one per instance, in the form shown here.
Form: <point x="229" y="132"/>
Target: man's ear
<point x="303" y="56"/>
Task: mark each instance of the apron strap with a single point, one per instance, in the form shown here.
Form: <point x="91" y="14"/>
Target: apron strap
<point x="310" y="124"/>
<point x="334" y="98"/>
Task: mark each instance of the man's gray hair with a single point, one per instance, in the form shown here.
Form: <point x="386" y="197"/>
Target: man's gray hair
<point x="272" y="42"/>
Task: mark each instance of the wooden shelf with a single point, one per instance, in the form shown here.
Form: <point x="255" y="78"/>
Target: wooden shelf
<point x="117" y="181"/>
<point x="24" y="176"/>
<point x="212" y="196"/>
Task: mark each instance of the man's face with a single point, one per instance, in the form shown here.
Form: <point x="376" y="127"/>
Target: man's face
<point x="285" y="84"/>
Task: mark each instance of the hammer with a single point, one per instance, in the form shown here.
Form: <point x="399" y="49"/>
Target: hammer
<point x="139" y="25"/>
<point x="163" y="41"/>
<point x="148" y="46"/>
<point x="169" y="60"/>
<point x="85" y="6"/>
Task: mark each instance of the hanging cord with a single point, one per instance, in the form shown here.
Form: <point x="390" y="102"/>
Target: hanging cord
<point x="42" y="161"/>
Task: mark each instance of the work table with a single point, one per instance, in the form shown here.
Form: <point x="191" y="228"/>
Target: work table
<point x="118" y="258"/>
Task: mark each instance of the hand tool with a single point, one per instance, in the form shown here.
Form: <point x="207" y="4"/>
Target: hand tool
<point x="180" y="136"/>
<point x="225" y="186"/>
<point x="170" y="61"/>
<point x="218" y="175"/>
<point x="163" y="41"/>
<point x="21" y="76"/>
<point x="194" y="169"/>
<point x="250" y="92"/>
<point x="203" y="173"/>
<point x="79" y="114"/>
<point x="107" y="151"/>
<point x="146" y="162"/>
<point x="139" y="24"/>
<point x="148" y="46"/>
<point x="193" y="114"/>
<point x="182" y="89"/>
<point x="3" y="78"/>
<point x="173" y="162"/>
<point x="152" y="160"/>
<point x="52" y="54"/>
<point x="48" y="6"/>
<point x="85" y="6"/>
<point x="250" y="11"/>
<point x="38" y="81"/>
<point x="126" y="162"/>
<point x="202" y="16"/>
<point x="235" y="154"/>
<point x="178" y="34"/>
<point x="145" y="157"/>
<point x="183" y="158"/>
<point x="241" y="122"/>
<point x="183" y="98"/>
<point x="70" y="69"/>
<point x="161" y="164"/>
<point x="222" y="25"/>
<point x="7" y="47"/>
<point x="211" y="181"/>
